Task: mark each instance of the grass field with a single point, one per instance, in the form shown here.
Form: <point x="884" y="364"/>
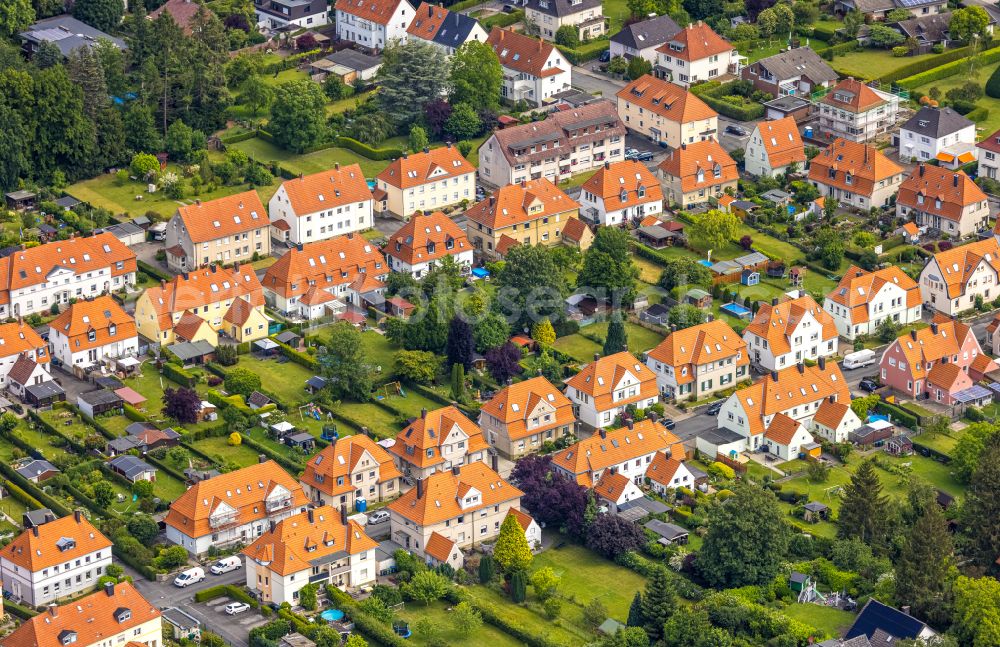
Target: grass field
<point x="286" y="380"/>
<point x="992" y="122"/>
<point x="310" y="162"/>
<point x="560" y="631"/>
<point x="42" y="442"/>
<point x="871" y="64"/>
<point x="639" y="339"/>
<point x="378" y="350"/>
<point x="439" y="613"/>
<point x="578" y="347"/>
<point x="833" y="621"/>
<point x="239" y="454"/>
<point x="763" y="48"/>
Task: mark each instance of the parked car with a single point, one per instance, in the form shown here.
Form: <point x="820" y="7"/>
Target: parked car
<point x="630" y="153"/>
<point x="378" y="516"/>
<point x="668" y="423"/>
<point x="868" y="385"/>
<point x="605" y="56"/>
<point x="508" y="8"/>
<point x="714" y="408"/>
<point x="643" y="156"/>
<point x="237" y="607"/>
<point x="226" y="564"/>
<point x="189" y="577"/>
<point x="738" y="131"/>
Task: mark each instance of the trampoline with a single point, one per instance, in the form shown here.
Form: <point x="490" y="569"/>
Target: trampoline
<point x="736" y="310"/>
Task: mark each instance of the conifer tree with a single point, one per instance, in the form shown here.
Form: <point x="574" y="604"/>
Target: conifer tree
<point x="616" y="340"/>
<point x="982" y="508"/>
<point x="923" y="567"/>
<point x="635" y="618"/>
<point x="863" y="509"/>
<point x="658" y="603"/>
<point x="511" y="551"/>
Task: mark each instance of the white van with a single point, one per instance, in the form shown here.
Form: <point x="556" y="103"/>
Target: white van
<point x="226" y="564"/>
<point x="189" y="577"/>
<point x="860" y="358"/>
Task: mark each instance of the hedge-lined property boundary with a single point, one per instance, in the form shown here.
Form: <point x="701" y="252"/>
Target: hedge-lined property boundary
<point x="224" y="590"/>
<point x="710" y="92"/>
<point x="943" y="71"/>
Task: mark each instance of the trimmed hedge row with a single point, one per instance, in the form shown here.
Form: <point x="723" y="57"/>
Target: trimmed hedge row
<point x="30" y="488"/>
<point x="179" y="375"/>
<point x="648" y="253"/>
<point x="899" y="416"/>
<point x="585" y="52"/>
<point x="24" y="613"/>
<point x="143" y="568"/>
<point x="918" y="67"/>
<point x="943" y="71"/>
<point x="222" y="590"/>
<point x="22" y="496"/>
<point x="367" y="151"/>
<point x="37" y="419"/>
<point x="134" y="414"/>
<point x="290" y="465"/>
<point x="979" y="114"/>
<point x="491" y="616"/>
<point x="375" y="629"/>
<point x="242" y="137"/>
<point x="154" y="271"/>
<point x="502" y="19"/>
<point x="725" y="108"/>
<point x="300" y="358"/>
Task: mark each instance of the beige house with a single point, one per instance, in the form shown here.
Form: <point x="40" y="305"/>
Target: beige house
<point x="586" y="16"/>
<point x="425" y="181"/>
<point x="437" y="441"/>
<point x="951" y="280"/>
<point x="856" y="174"/>
<point x="351" y="468"/>
<point x="695" y="173"/>
<point x="696" y="53"/>
<point x="523" y="416"/>
<point x="695" y="362"/>
<point x="531" y="213"/>
<point x="225" y="230"/>
<point x="665" y="112"/>
<point x="948" y="201"/>
<point x="465" y="505"/>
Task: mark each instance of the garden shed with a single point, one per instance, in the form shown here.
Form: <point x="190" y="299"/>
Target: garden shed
<point x="96" y="403"/>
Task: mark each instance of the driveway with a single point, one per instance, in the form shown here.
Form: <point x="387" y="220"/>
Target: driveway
<point x="595" y="83"/>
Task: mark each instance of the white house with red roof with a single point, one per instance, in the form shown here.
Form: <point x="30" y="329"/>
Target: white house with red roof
<point x="697" y="53"/>
<point x="863" y="300"/>
<point x="533" y="69"/>
<point x="16" y="339"/>
<point x="785" y="437"/>
<point x="620" y="193"/>
<point x="604" y="388"/>
<point x="989" y="157"/>
<point x="372" y="23"/>
<point x="616" y="490"/>
<point x="785" y="333"/>
<point x="856" y="112"/>
<point x="835" y="421"/>
<point x="424" y="242"/>
<point x="948" y="201"/>
<point x="426" y="181"/>
<point x="668" y="472"/>
<point x="322" y="205"/>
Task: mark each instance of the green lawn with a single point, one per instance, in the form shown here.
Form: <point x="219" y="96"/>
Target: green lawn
<point x="871" y="64"/>
<point x="379" y="421"/>
<point x="617" y="12"/>
<point x="943" y="443"/>
<point x="240" y="454"/>
<point x="378" y="350"/>
<point x="578" y="347"/>
<point x="831" y="620"/>
<point x="167" y="487"/>
<point x="649" y="272"/>
<point x="42" y="442"/>
<point x="285" y="380"/>
<point x="310" y="162"/>
<point x="763" y="48"/>
<point x="639" y="339"/>
<point x="987" y="126"/>
<point x="440" y="614"/>
<point x="13" y="509"/>
<point x="576" y="180"/>
<point x="560" y="631"/>
<point x="350" y="103"/>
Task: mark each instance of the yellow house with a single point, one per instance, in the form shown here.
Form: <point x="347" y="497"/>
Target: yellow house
<point x="202" y="305"/>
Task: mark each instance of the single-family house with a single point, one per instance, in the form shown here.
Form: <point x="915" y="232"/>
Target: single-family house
<point x="880" y="622"/>
<point x="424" y="181"/>
<point x="371" y="24"/>
<point x="785" y="333"/>
<point x="620" y="193"/>
<point x="91" y="330"/>
<point x="877" y="9"/>
<point x="522" y="417"/>
<point x="585" y="16"/>
<point x="989" y="157"/>
<point x="27" y="373"/>
<point x="692" y="363"/>
<point x="132" y="469"/>
<point x="695" y="173"/>
<point x="856" y="112"/>
<point x="182" y="11"/>
<point x="448" y="30"/>
<point x="794" y="72"/>
<point x="533" y="69"/>
<point x="322" y="205"/>
<point x="785" y="437"/>
<point x="666" y="113"/>
<point x="614" y="490"/>
<point x="628" y="450"/>
<point x="349" y="470"/>
<point x="931" y="130"/>
<point x="642" y="38"/>
<point x="604" y="388"/>
<point x="948" y="201"/>
<point x="835" y="421"/>
<point x="437" y="441"/>
<point x="952" y="280"/>
<point x="38" y="471"/>
<point x="276" y="15"/>
<point x="231" y="229"/>
<point x="426" y="240"/>
<point x="65" y="32"/>
<point x="857" y="175"/>
<point x="17" y="338"/>
<point x="696" y="53"/>
<point x="774" y="148"/>
<point x="863" y="300"/>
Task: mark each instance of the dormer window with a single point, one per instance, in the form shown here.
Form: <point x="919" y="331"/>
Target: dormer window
<point x="623" y="196"/>
<point x="91" y="335"/>
<point x="112" y="330"/>
<point x="920" y="199"/>
<point x="848" y="178"/>
<point x="937" y="203"/>
<point x="717" y="171"/>
<point x="67" y="637"/>
<point x="641" y="192"/>
<point x="123" y="615"/>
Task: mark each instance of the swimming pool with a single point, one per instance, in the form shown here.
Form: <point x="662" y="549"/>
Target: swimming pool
<point x="735" y="310"/>
<point x="332" y="615"/>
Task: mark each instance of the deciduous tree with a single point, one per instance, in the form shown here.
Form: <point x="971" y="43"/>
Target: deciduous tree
<point x="968" y="23"/>
<point x="345" y="363"/>
<point x="511" y="551"/>
<point x="417" y="365"/>
<point x="684" y="272"/>
<point x="492" y="331"/>
<point x="181" y="404"/>
<point x="15" y="17"/>
<point x="298" y="114"/>
<point x="426" y="586"/>
<point x="242" y="380"/>
<point x="610" y="535"/>
<point x="530" y="285"/>
<point x="714" y="229"/>
<point x="977" y="611"/>
<point x="476" y="76"/>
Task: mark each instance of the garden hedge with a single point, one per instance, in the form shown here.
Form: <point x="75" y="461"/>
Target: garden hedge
<point x="979" y="114"/>
<point x="134" y="414"/>
<point x="584" y="52"/>
<point x="294" y="467"/>
<point x="222" y="590"/>
<point x="492" y="616"/>
<point x="712" y="93"/>
<point x="300" y="358"/>
<point x="367" y="151"/>
<point x="24" y="613"/>
<point x="29" y="501"/>
<point x="954" y="55"/>
<point x="946" y="70"/>
<point x="179" y="375"/>
<point x="379" y="631"/>
<point x="76" y="445"/>
<point x="899" y="416"/>
<point x="155" y="272"/>
<point x="30" y="488"/>
<point x="502" y="19"/>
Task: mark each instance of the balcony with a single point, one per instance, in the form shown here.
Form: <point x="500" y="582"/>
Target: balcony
<point x="279" y="504"/>
<point x="222" y="521"/>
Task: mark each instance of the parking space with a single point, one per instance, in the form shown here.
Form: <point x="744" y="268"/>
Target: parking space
<point x="730" y="136"/>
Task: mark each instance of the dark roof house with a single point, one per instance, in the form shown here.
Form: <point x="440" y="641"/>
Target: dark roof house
<point x="885" y="622"/>
<point x="132" y="468"/>
<point x="561" y="8"/>
<point x="926" y="30"/>
<point x="648" y="33"/>
<point x="936" y="122"/>
<point x="65" y="32"/>
<point x="801" y="62"/>
<point x="38" y="470"/>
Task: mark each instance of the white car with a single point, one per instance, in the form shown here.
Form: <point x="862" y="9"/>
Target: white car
<point x="378" y="517"/>
<point x="226" y="564"/>
<point x="236" y="607"/>
<point x="189" y="577"/>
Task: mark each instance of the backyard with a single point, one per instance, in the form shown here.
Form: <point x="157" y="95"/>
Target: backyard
<point x="835" y="622"/>
<point x="439" y="613"/>
<point x="987" y="126"/>
<point x="871" y="64"/>
<point x="308" y="163"/>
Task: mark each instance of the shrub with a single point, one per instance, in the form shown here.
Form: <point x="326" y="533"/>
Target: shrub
<point x="993" y="84"/>
<point x="938" y="49"/>
<point x="901" y="51"/>
<point x="721" y="470"/>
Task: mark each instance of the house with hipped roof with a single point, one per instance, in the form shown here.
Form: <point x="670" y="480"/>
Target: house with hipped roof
<point x="628" y="451"/>
<point x="322" y="205"/>
<point x="55" y="559"/>
<point x="787" y="332"/>
<point x="522" y="417"/>
<point x="642" y="38"/>
<point x="936" y="363"/>
<point x="696" y="173"/>
<point x="424" y="242"/>
<point x="603" y="389"/>
<point x="17" y="338"/>
<point x="774" y="147"/>
<point x="565" y="143"/>
<point x="989" y="157"/>
<point x="91" y="330"/>
<point x="320" y="279"/>
<point x="797" y="392"/>
<point x="620" y="193"/>
<point x="317" y="546"/>
<point x="199" y="305"/>
<point x="586" y="17"/>
<point x="835" y="421"/>
<point x="531" y="212"/>
<point x="235" y="507"/>
<point x="952" y="280"/>
<point x="857" y="175"/>
<point x="696" y="53"/>
<point x="695" y="362"/>
<point x="426" y="181"/>
<point x="371" y="24"/>
<point x="448" y="30"/>
<point x="930" y="131"/>
<point x="533" y="69"/>
<point x="436" y="441"/>
<point x="856" y="112"/>
<point x="948" y="201"/>
<point x="665" y="112"/>
<point x="350" y="469"/>
<point x="231" y="229"/>
<point x="117" y="614"/>
<point x="34" y="279"/>
<point x="863" y="300"/>
<point x="465" y="505"/>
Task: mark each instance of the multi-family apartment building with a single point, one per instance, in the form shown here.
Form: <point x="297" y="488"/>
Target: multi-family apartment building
<point x="567" y="142"/>
<point x="116" y="615"/>
<point x="989" y="157"/>
<point x="628" y="451"/>
<point x="533" y="70"/>
<point x="857" y="175"/>
<point x="319" y="546"/>
<point x="448" y="30"/>
<point x="696" y="53"/>
<point x="437" y="441"/>
<point x="91" y="330"/>
<point x="585" y="16"/>
<point x="532" y="212"/>
<point x="620" y="193"/>
<point x="863" y="300"/>
<point x="351" y="469"/>
<point x="604" y="388"/>
<point x="522" y="417"/>
<point x="948" y="201"/>
<point x="935" y="363"/>
<point x="319" y="279"/>
<point x="371" y="24"/>
<point x="794" y="72"/>
<point x="696" y="173"/>
<point x="213" y="295"/>
<point x="774" y="148"/>
<point x="226" y="230"/>
<point x="695" y="362"/>
<point x="785" y="333"/>
<point x="796" y="391"/>
<point x="424" y="242"/>
<point x="932" y="130"/>
<point x="275" y="14"/>
<point x="665" y="112"/>
<point x="642" y="38"/>
<point x="322" y="205"/>
<point x="34" y="279"/>
<point x="951" y="280"/>
<point x="425" y="181"/>
<point x="856" y="112"/>
<point x="54" y="560"/>
<point x="18" y="339"/>
<point x="236" y="507"/>
<point x="465" y="505"/>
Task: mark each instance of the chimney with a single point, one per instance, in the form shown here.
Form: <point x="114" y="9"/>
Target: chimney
<point x="954" y="180"/>
<point x="261" y="458"/>
<point x="336" y="166"/>
<point x="78" y="516"/>
<point x="607" y="164"/>
<point x="406" y="155"/>
<point x="212" y="268"/>
<point x="495" y="463"/>
<point x="832" y="399"/>
<point x="343" y="514"/>
<point x="630" y="424"/>
<point x="684" y="146"/>
<point x="236" y="267"/>
<point x="493" y="200"/>
<point x="430" y="11"/>
<point x="298" y="247"/>
<point x="309" y="515"/>
<point x="774" y="375"/>
<point x="524" y="184"/>
<point x="652" y="415"/>
<point x="272" y="525"/>
<point x="34" y="530"/>
<point x="109" y="589"/>
<point x="921" y="171"/>
<point x="163" y="284"/>
<point x="934" y="328"/>
<point x="54" y="610"/>
<point x="301" y="176"/>
<point x="426" y="150"/>
<point x="913" y="335"/>
<point x="801" y="367"/>
<point x="423" y="414"/>
<point x="448" y="144"/>
<point x="420" y="488"/>
<point x="456" y="470"/>
<point x="822" y="363"/>
<point x="774" y="302"/>
<point x="905" y="609"/>
<point x="197" y="201"/>
<point x="185" y="275"/>
<point x="859" y="273"/>
<point x="597" y="356"/>
<point x="603" y="433"/>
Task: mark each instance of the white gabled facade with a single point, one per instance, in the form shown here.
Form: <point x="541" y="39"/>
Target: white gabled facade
<point x="606" y="386"/>
<point x="17" y="338"/>
<point x="786" y="333"/>
<point x="619" y="193"/>
<point x="322" y="205"/>
<point x="863" y="300"/>
<point x="373" y="23"/>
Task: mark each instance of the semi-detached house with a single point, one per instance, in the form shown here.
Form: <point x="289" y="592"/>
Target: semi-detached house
<point x="521" y="417"/>
<point x="322" y="205"/>
<point x="795" y="72"/>
<point x="275" y="14"/>
<point x="948" y="201"/>
<point x="54" y="560"/>
<point x="666" y="113"/>
<point x="424" y="181"/>
<point x="34" y="279"/>
<point x="567" y="142"/>
<point x="628" y="451"/>
<point x="951" y="280"/>
<point x="585" y="16"/>
<point x="620" y="193"/>
<point x="533" y="70"/>
<point x="933" y="131"/>
<point x="448" y="30"/>
<point x="350" y="469"/>
<point x="642" y="38"/>
<point x="225" y="230"/>
<point x="696" y="173"/>
<point x="855" y="174"/>
<point x="16" y="339"/>
<point x="371" y="24"/>
<point x="91" y="330"/>
<point x="989" y="157"/>
<point x="604" y="388"/>
<point x="863" y="300"/>
<point x="786" y="333"/>
<point x="695" y="362"/>
<point x="424" y="242"/>
<point x="774" y="147"/>
<point x="437" y="441"/>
